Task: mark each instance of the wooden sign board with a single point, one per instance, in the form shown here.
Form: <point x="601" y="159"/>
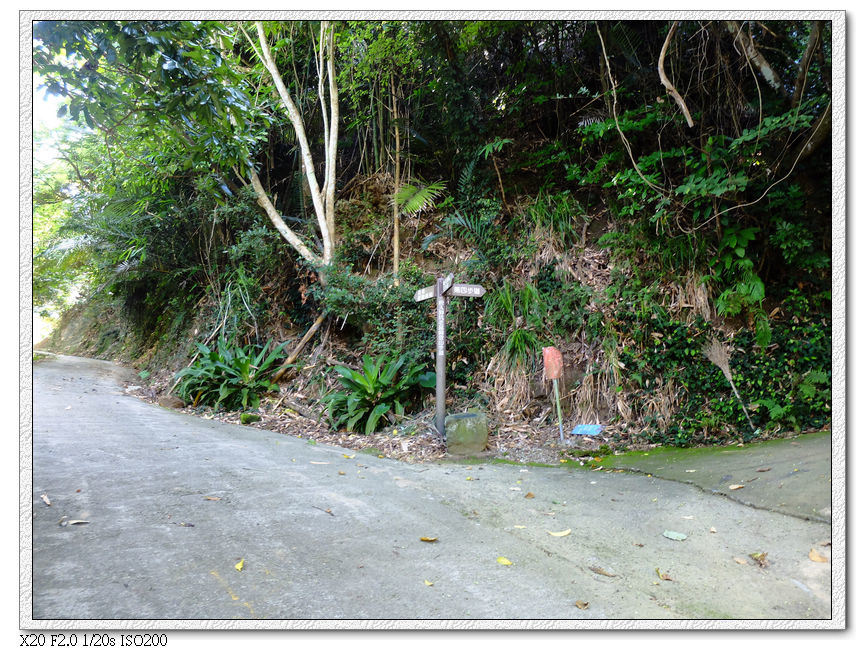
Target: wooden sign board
<point x="467" y="290"/>
<point x="455" y="290"/>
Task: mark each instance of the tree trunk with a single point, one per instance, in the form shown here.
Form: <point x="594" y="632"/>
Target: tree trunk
<point x="818" y="134"/>
<point x="322" y="199"/>
<point x="396" y="183"/>
<point x="291" y="358"/>
<point x="805" y="63"/>
<point x="747" y="47"/>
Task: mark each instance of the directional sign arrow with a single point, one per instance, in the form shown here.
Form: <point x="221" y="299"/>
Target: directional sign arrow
<point x="447" y="282"/>
<point x="467" y="290"/>
<point x="424" y="294"/>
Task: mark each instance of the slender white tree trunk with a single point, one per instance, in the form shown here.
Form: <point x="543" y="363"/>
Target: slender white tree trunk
<point x="322" y="197"/>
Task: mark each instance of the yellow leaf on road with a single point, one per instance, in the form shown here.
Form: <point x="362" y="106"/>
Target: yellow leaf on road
<point x="560" y="533"/>
<point x="736" y="487"/>
<point x="663" y="576"/>
<point x="429" y="539"/>
<point x="582" y="604"/>
<point x="530" y="495"/>
<point x="239" y="565"/>
<point x="428" y="583"/>
<point x="816" y="557"/>
<point x="519" y="526"/>
<point x="503" y="560"/>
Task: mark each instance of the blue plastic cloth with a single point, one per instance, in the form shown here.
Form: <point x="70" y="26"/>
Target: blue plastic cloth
<point x="587" y="429"/>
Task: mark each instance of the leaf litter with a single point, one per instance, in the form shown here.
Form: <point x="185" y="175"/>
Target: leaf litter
<point x="602" y="572"/>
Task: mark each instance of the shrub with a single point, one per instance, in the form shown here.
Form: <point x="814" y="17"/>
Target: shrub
<point x="378" y="389"/>
<point x="232" y="378"/>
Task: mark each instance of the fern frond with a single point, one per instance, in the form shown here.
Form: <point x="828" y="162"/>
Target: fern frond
<point x="412" y="199"/>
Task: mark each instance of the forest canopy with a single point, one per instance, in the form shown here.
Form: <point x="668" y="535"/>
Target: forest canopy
<point x="630" y="191"/>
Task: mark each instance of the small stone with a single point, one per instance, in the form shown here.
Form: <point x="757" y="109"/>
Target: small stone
<point x="171" y="402"/>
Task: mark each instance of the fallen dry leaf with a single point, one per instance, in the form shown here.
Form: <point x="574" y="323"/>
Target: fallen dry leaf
<point x="239" y="565"/>
<point x="428" y="583"/>
<point x="45" y="498"/>
<point x="736" y="486"/>
<point x="601" y="572"/>
<point x="213" y="498"/>
<point x="760" y="559"/>
<point x="764" y="469"/>
<point x="582" y="604"/>
<point x="560" y="533"/>
<point x="663" y="576"/>
<point x="816" y="557"/>
<point x="429" y="539"/>
<point x="530" y="495"/>
<point x="503" y="560"/>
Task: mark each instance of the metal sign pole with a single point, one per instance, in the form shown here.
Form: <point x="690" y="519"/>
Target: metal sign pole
<point x="441" y="309"/>
<point x="441" y="291"/>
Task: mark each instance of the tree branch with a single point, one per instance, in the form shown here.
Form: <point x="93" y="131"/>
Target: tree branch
<point x="749" y="49"/>
<point x="805" y="63"/>
<point x="671" y="90"/>
<point x="300" y="132"/>
<point x="276" y="219"/>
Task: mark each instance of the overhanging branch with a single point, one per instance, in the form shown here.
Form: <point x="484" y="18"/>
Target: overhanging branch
<point x="671" y="90"/>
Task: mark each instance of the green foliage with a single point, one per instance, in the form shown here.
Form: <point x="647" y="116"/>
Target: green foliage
<point x="477" y="228"/>
<point x="558" y="214"/>
<point x="110" y="66"/>
<point x="518" y="316"/>
<point x="785" y="386"/>
<point x="380" y="388"/>
<point x="385" y="314"/>
<point x="494" y="147"/>
<point x="568" y="303"/>
<point x="415" y="198"/>
<point x="231" y="378"/>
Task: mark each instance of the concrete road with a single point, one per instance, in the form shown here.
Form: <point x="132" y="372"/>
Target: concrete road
<point x="175" y="505"/>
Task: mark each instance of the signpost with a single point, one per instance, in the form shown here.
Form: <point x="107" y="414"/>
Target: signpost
<point x="442" y="291"/>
